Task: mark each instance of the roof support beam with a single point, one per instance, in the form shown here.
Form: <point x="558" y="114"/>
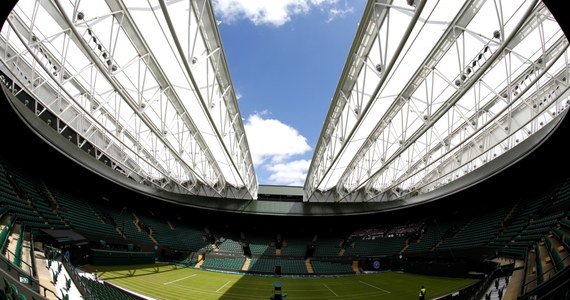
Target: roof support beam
<point x="329" y="148"/>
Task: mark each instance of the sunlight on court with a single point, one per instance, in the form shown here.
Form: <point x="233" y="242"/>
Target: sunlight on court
<point x="172" y="282"/>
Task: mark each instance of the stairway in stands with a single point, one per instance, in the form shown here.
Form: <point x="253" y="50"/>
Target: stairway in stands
<point x="246" y="264"/>
<point x="309" y="266"/>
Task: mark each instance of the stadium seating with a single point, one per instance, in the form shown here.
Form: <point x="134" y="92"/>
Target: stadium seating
<point x="479" y="231"/>
<point x="122" y="220"/>
<point x="79" y="214"/>
<point x="513" y="229"/>
<point x="295" y="246"/>
<point x="327" y="267"/>
<point x="224" y="263"/>
<point x="31" y="190"/>
<point x="563" y="237"/>
<point x="231" y="245"/>
<point x="188" y="237"/>
<point x="432" y="234"/>
<point x="327" y="245"/>
<point x="554" y="254"/>
<point x="161" y="231"/>
<point x="268" y="265"/>
<point x="376" y="247"/>
<point x="100" y="290"/>
<point x="260" y="246"/>
<point x="563" y="192"/>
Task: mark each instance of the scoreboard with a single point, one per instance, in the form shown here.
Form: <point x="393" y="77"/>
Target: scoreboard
<point x="376" y="263"/>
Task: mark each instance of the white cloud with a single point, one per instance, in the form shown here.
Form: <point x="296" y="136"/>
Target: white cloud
<point x="292" y="173"/>
<point x="273" y="145"/>
<point x="335" y="13"/>
<point x="271" y="140"/>
<point x="272" y="12"/>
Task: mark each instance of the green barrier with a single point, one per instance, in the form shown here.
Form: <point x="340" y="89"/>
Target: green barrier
<point x="6" y="232"/>
<point x="117" y="258"/>
<point x="18" y="254"/>
<point x="539" y="271"/>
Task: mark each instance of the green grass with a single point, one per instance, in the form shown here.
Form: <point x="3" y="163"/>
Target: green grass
<point x="171" y="282"/>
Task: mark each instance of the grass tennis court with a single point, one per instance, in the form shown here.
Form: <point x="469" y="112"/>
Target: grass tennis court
<point x="171" y="282"/>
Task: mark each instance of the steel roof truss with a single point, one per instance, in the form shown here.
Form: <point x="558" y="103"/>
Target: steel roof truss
<point x="458" y="84"/>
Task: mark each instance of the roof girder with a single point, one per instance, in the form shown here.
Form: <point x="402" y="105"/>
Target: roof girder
<point x="361" y="170"/>
<point x="120" y="89"/>
<point x="329" y="147"/>
<point x="228" y="125"/>
<point x="146" y="60"/>
<point x="460" y="92"/>
<point x="466" y="14"/>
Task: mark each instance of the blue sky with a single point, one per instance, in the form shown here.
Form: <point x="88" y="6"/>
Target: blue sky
<point x="285" y="59"/>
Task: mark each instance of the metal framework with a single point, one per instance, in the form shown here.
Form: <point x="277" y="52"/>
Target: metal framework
<point x="153" y="98"/>
<point x="428" y="96"/>
<point x="430" y="91"/>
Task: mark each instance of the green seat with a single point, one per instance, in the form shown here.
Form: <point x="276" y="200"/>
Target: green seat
<point x="13" y="292"/>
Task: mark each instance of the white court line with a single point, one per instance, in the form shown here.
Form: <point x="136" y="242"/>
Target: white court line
<point x="223" y="286"/>
<point x="173" y="281"/>
<point x="330" y="289"/>
<point x="368" y="284"/>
